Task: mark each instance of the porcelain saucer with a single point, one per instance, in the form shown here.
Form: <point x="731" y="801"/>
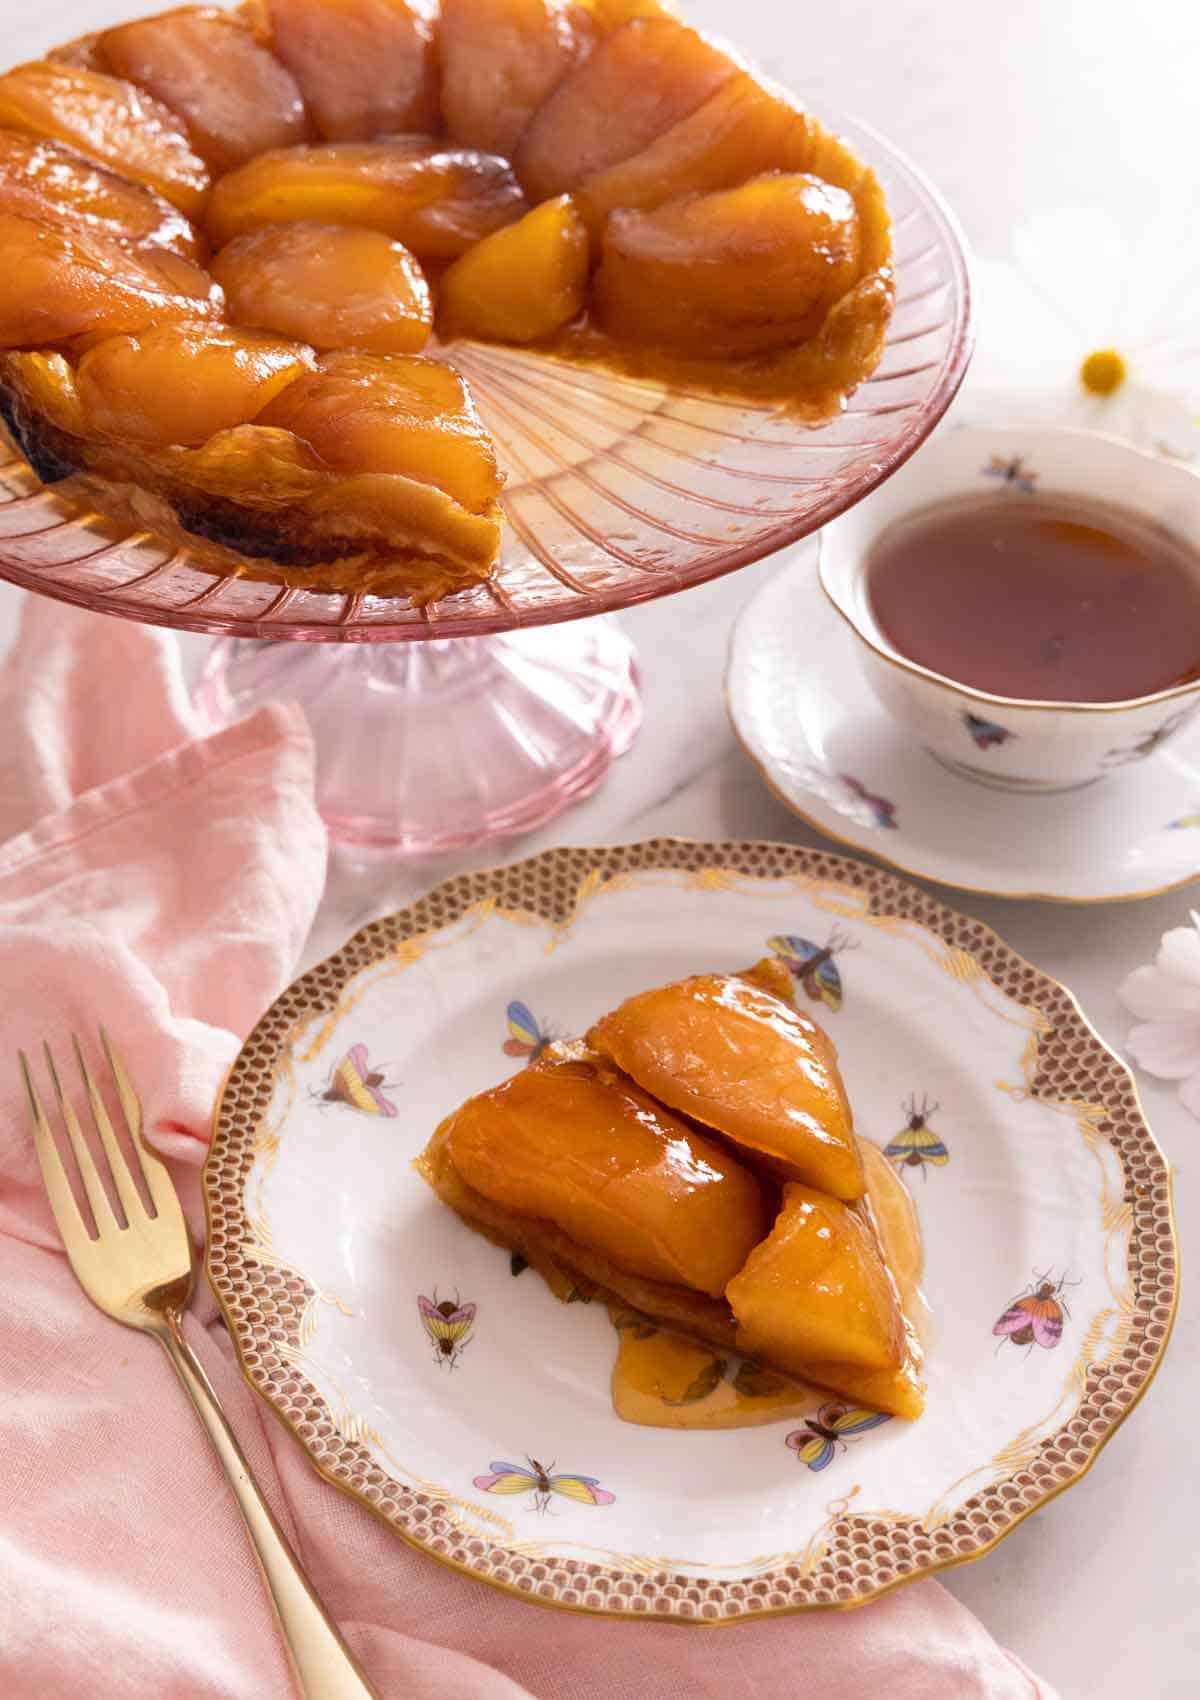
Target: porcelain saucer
<point x="804" y="712"/>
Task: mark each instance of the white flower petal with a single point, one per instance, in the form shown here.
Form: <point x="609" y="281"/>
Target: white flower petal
<point x="1020" y="339"/>
<point x="1189" y="1093"/>
<point x="1153" y="995"/>
<point x="1169" y="1049"/>
<point x="1179" y="954"/>
<point x="1077" y="260"/>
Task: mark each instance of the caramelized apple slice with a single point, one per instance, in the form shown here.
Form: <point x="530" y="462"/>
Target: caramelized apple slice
<point x="393" y="413"/>
<point x="41" y="180"/>
<point x="234" y="95"/>
<point x="521" y="283"/>
<point x="735" y="272"/>
<point x="644" y="77"/>
<point x="45" y="385"/>
<point x="366" y="67"/>
<point x="725" y="1051"/>
<point x="815" y="1299"/>
<point x="107" y="120"/>
<point x="58" y="284"/>
<point x="741" y="130"/>
<point x="437" y="201"/>
<point x="501" y="59"/>
<point x="331" y="285"/>
<point x="568" y="1141"/>
<point x="181" y="383"/>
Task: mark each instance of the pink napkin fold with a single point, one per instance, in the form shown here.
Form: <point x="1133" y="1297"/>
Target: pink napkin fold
<point x="164" y="883"/>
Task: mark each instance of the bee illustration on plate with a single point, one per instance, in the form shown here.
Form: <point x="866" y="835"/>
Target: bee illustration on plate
<point x="917" y="1144"/>
<point x="986" y="733"/>
<point x="1013" y="471"/>
<point x="356" y="1084"/>
<point x="816" y="1444"/>
<point x="1149" y="741"/>
<point x="1035" y="1317"/>
<point x="449" y="1325"/>
<point x="812" y="965"/>
<point x="882" y="812"/>
<point x="526" y="1037"/>
<point x="541" y="1481"/>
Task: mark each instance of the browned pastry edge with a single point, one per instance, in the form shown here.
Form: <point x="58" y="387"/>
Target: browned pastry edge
<point x="223" y="536"/>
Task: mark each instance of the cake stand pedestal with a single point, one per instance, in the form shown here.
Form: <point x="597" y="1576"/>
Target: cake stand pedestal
<point x="432" y="747"/>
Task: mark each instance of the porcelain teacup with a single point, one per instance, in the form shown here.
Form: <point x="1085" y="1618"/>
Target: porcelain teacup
<point x="1006" y="741"/>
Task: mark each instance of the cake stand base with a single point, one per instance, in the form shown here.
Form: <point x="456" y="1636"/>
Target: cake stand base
<point x="424" y="748"/>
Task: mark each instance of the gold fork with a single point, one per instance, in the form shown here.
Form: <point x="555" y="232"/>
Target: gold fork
<point x="140" y="1272"/>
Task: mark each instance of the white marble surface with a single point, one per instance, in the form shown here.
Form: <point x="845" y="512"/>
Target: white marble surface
<point x="1011" y="108"/>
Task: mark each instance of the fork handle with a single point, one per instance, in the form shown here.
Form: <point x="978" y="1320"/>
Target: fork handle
<point x="322" y="1664"/>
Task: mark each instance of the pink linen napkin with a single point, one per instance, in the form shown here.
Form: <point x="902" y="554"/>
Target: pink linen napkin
<point x="164" y="884"/>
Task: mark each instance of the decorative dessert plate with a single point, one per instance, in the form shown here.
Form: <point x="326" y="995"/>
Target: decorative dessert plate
<point x="448" y="1390"/>
<point x="804" y="712"/>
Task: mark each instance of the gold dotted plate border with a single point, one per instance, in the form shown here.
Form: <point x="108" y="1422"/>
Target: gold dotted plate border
<point x="859" y="1557"/>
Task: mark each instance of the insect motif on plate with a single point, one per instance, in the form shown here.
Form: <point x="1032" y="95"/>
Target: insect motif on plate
<point x="1192" y="819"/>
<point x="448" y="1324"/>
<point x="1012" y="470"/>
<point x="526" y="1037"/>
<point x="816" y="1444"/>
<point x="1035" y="1317"/>
<point x="812" y="965"/>
<point x="882" y="812"/>
<point x="1149" y="741"/>
<point x="356" y="1084"/>
<point x="986" y="733"/>
<point x="541" y="1481"/>
<point x="917" y="1144"/>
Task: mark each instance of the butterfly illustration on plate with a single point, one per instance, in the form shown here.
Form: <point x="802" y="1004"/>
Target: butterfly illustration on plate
<point x="812" y="965"/>
<point x="1013" y="471"/>
<point x="448" y="1324"/>
<point x="541" y="1481"/>
<point x="356" y="1084"/>
<point x="526" y="1037"/>
<point x="917" y="1144"/>
<point x="1035" y="1317"/>
<point x="986" y="733"/>
<point x="816" y="1444"/>
<point x="1192" y="819"/>
<point x="882" y="812"/>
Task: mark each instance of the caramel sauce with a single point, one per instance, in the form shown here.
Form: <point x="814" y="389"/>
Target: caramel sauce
<point x="661" y="1380"/>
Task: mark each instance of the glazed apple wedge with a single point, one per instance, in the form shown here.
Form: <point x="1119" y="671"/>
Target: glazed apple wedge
<point x="522" y="283"/>
<point x="437" y="201"/>
<point x="366" y="67"/>
<point x="331" y="285"/>
<point x="733" y="273"/>
<point x="500" y="61"/>
<point x="638" y="82"/>
<point x="57" y="285"/>
<point x="44" y="181"/>
<point x="741" y="130"/>
<point x="108" y="120"/>
<point x="396" y="413"/>
<point x="232" y="93"/>
<point x="183" y="383"/>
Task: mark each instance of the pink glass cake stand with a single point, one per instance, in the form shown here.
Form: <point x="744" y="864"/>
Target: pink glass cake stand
<point x="483" y="716"/>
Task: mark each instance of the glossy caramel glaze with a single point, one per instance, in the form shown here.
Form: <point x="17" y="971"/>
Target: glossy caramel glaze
<point x="569" y="1141"/>
<point x="727" y="1052"/>
<point x="816" y="1299"/>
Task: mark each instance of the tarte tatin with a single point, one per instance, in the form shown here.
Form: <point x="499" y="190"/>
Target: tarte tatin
<point x="239" y="248"/>
<point x="694" y="1158"/>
